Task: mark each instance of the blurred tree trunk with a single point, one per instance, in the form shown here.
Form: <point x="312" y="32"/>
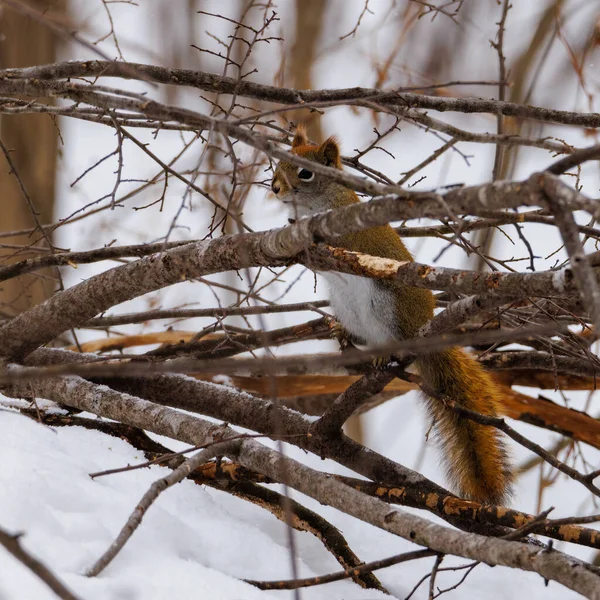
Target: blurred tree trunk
<point x="310" y="16"/>
<point x="32" y="142"/>
<point x="177" y="29"/>
<point x="522" y="74"/>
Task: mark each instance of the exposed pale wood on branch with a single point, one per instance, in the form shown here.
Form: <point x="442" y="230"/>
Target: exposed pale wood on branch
<point x="552" y="565"/>
<point x="82" y="302"/>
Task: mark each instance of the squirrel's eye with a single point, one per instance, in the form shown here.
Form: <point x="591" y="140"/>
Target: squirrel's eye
<point x="305" y="174"/>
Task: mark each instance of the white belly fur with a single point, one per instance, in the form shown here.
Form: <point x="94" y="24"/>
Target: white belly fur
<point x="363" y="308"/>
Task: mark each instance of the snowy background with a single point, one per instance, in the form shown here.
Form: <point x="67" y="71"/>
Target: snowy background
<point x="197" y="542"/>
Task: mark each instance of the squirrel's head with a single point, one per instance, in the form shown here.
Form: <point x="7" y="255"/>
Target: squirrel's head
<point x="301" y="190"/>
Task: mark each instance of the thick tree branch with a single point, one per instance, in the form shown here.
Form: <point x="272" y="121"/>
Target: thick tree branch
<point x="75" y="306"/>
<point x="349" y="401"/>
<point x="550" y="564"/>
<point x="265" y="417"/>
<point x="242" y="409"/>
<point x="241" y="482"/>
<point x="228" y="85"/>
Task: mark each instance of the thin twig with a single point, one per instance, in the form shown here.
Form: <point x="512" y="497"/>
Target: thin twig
<point x="340" y="575"/>
<point x="12" y="544"/>
<point x="211" y="450"/>
<point x="499" y="45"/>
<point x="573" y="160"/>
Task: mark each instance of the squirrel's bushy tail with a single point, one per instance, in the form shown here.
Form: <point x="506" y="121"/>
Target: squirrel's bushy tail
<point x="475" y="455"/>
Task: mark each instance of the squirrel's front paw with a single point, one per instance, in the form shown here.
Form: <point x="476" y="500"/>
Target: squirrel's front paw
<point x="337" y="332"/>
<point x="381" y="362"/>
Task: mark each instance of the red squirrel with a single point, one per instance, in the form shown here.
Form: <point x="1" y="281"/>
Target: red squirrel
<point x="380" y="312"/>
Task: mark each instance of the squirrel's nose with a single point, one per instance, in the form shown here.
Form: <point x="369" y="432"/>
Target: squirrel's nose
<point x="275" y="187"/>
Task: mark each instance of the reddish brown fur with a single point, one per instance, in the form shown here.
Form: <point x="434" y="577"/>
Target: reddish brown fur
<point x="475" y="455"/>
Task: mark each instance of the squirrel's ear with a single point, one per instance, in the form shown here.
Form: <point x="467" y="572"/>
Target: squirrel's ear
<point x="300" y="139"/>
<point x="330" y="151"/>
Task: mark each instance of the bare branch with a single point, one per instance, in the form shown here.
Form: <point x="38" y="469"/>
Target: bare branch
<point x="552" y="565"/>
<point x="211" y="450"/>
<point x="13" y="545"/>
<point x="228" y="85"/>
<point x="80" y="303"/>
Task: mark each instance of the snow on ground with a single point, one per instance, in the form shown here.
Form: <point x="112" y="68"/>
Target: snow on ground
<point x="194" y="542"/>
